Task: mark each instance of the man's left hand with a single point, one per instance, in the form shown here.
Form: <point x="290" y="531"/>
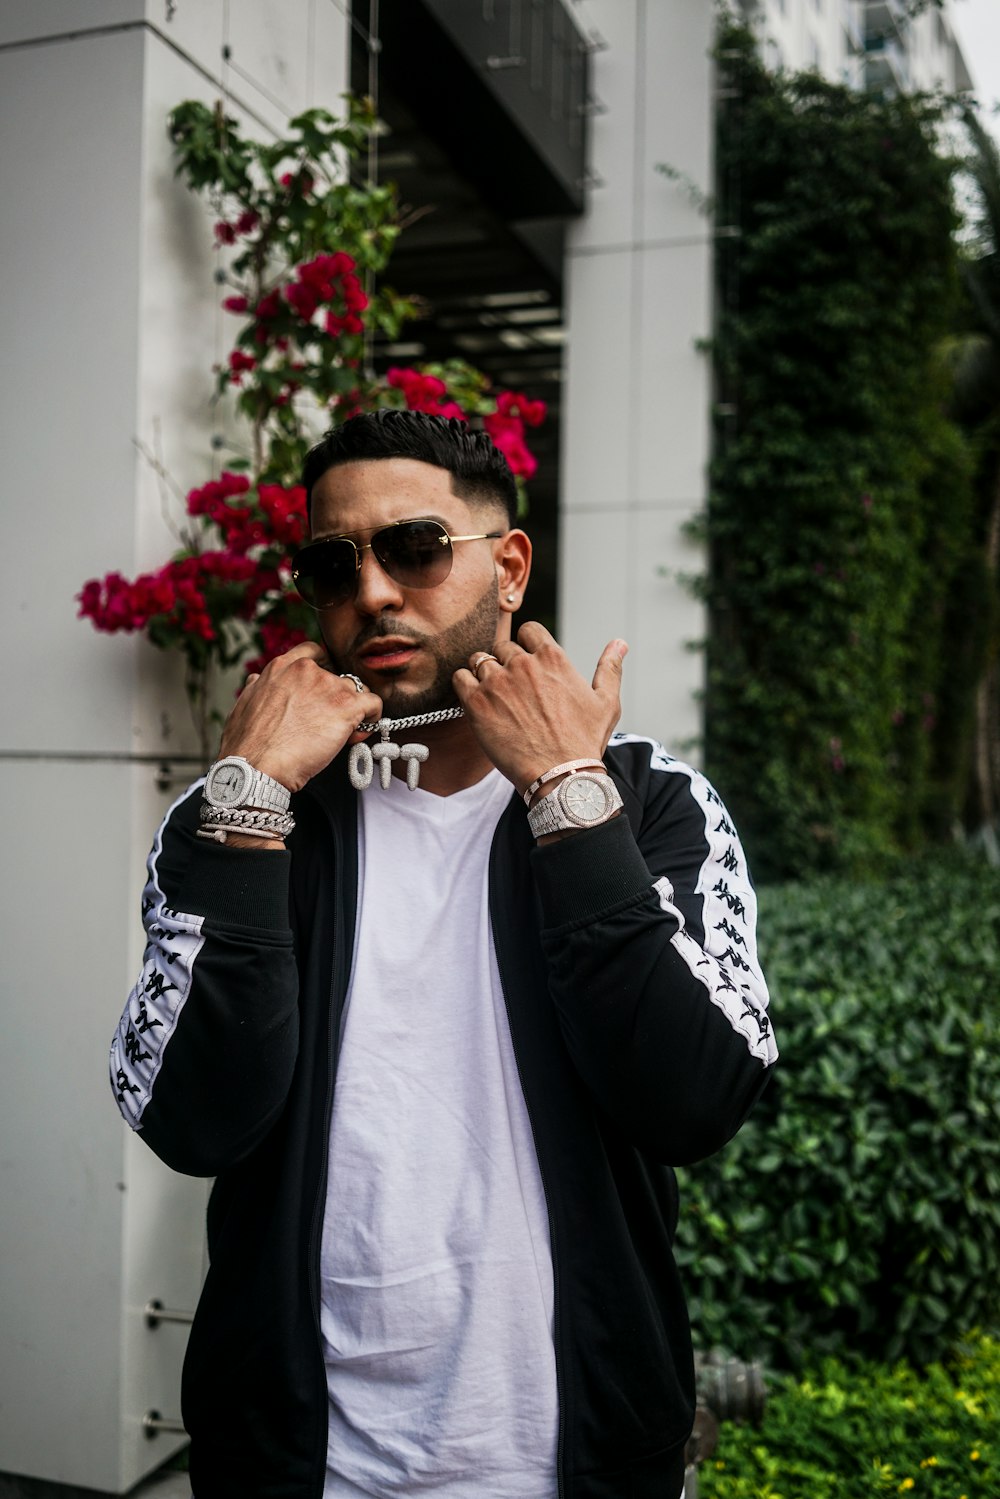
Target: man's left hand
<point x="531" y="710"/>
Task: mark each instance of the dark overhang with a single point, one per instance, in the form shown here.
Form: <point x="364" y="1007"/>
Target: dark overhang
<point x="503" y="86"/>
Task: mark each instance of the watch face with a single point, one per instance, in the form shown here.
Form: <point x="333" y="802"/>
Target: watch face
<point x="227" y="784"/>
<point x="585" y="798"/>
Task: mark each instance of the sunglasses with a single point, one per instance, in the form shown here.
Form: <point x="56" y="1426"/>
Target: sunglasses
<point x="414" y="554"/>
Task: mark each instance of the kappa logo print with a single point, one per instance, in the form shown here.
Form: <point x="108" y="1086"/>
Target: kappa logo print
<point x="143" y="1020"/>
<point x="173" y="942"/>
<point x="133" y="1048"/>
<point x="731" y="932"/>
<point x="734" y="902"/>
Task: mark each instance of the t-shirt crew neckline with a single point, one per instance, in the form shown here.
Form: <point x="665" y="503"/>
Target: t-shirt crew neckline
<point x="453" y="807"/>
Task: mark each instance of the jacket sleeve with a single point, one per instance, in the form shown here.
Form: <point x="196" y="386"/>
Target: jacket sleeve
<point x="203" y="1056"/>
<point x="650" y="937"/>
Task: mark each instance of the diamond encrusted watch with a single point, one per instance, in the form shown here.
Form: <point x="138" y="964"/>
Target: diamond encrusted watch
<point x="583" y="800"/>
<point x="232" y="782"/>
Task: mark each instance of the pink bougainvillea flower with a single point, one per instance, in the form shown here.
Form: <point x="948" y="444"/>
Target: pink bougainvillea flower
<point x="513" y="403"/>
<point x="423" y="392"/>
<point x="204" y="501"/>
<point x="355" y="297"/>
<point x="239" y="364"/>
<point x="277" y="637"/>
<point x="285" y="510"/>
<point x="302" y="181"/>
<point x="303" y="299"/>
<point x="507" y="433"/>
<point x="113" y="603"/>
<point x="269" y="306"/>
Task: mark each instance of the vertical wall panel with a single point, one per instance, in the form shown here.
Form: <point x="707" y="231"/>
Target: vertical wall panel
<point x="111" y="327"/>
<point x="70" y="182"/>
<point x="636" y="429"/>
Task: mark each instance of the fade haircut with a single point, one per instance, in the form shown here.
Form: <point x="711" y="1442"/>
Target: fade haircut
<point x="478" y="469"/>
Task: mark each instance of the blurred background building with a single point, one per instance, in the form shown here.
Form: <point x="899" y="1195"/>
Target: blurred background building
<point x="872" y="44"/>
<point x="556" y="257"/>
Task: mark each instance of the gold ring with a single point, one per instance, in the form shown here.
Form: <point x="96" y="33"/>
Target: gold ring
<point x="478" y="660"/>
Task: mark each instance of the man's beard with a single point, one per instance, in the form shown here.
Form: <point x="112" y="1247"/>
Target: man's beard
<point x="475" y="631"/>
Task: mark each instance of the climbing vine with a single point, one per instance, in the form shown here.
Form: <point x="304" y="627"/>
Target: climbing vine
<point x="840" y="518"/>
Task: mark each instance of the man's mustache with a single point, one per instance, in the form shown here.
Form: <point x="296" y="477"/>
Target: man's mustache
<point x="379" y="628"/>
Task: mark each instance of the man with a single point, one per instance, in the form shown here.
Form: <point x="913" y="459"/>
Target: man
<point x="439" y="1049"/>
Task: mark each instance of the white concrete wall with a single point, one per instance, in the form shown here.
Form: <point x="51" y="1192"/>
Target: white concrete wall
<point x="808" y="34"/>
<point x="111" y="326"/>
<point x="636" y="428"/>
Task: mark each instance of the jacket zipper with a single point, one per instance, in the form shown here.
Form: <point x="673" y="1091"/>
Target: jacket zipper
<point x="338" y="985"/>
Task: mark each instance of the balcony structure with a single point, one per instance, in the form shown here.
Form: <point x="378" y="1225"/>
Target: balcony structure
<point x="853" y="27"/>
<point x="886" y="18"/>
<point x="886" y="65"/>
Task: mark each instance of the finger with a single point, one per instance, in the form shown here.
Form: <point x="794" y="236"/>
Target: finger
<point x="608" y="676"/>
<point x="532" y="636"/>
<point x="481" y="663"/>
<point x="464" y="684"/>
<point x="506" y="651"/>
<point x="357" y="736"/>
<point x="367" y="704"/>
<point x="306" y="650"/>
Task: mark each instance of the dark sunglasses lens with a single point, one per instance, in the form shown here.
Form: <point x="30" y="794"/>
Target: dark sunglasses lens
<point x="416" y="553"/>
<point x="325" y="574"/>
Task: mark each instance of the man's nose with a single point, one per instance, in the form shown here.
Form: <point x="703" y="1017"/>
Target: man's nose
<point x="376" y="590"/>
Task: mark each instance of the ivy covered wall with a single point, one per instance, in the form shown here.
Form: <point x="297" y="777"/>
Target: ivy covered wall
<point x="841" y="673"/>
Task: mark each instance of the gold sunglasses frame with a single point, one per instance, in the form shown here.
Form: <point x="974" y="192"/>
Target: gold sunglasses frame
<point x="365" y="546"/>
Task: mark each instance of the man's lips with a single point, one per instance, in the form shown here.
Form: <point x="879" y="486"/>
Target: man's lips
<point x="387" y="655"/>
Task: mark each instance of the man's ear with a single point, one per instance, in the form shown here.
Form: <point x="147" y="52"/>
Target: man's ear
<point x="513" y="563"/>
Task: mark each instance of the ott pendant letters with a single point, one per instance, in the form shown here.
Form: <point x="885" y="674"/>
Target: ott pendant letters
<point x="362" y="759"/>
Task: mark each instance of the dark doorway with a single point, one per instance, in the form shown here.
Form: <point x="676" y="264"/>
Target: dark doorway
<point x="491" y="285"/>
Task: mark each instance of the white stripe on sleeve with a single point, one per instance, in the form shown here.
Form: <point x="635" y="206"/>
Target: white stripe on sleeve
<point x="173" y="942"/>
<point x="727" y="962"/>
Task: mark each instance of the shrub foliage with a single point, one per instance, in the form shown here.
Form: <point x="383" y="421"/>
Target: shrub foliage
<point x="858" y="1210"/>
<point x="840" y="518"/>
<point x="853" y="1432"/>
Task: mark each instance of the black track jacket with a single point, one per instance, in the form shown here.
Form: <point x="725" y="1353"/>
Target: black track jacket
<point x="637" y="1011"/>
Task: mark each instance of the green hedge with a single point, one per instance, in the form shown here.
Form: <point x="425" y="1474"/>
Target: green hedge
<point x="858" y="1210"/>
<point x="840" y="524"/>
<point x="853" y="1432"/>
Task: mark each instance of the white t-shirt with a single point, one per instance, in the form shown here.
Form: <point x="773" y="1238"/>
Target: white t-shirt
<point x="437" y="1298"/>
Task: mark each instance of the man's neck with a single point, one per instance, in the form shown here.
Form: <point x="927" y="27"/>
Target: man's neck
<point x="455" y="760"/>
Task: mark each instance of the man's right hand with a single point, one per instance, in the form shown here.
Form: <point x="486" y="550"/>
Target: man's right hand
<point x="296" y="715"/>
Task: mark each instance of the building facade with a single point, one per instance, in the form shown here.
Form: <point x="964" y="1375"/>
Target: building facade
<point x="111" y="328"/>
<point x="873" y="44"/>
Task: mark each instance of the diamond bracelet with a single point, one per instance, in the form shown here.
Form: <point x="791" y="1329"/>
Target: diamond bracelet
<point x="247" y="820"/>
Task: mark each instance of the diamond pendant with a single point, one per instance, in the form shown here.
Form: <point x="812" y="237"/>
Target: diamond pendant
<point x="363" y="759"/>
